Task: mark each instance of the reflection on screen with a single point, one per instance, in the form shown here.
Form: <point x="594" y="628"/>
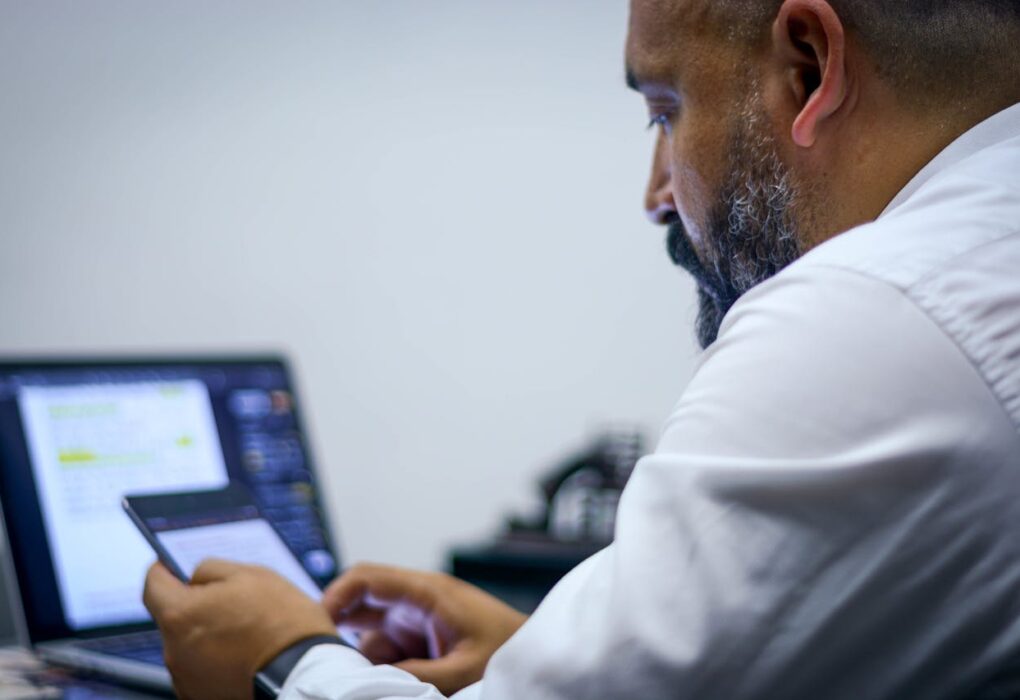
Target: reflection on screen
<point x="90" y="444"/>
<point x="250" y="541"/>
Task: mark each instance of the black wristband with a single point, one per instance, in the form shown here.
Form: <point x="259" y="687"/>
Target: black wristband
<point x="271" y="677"/>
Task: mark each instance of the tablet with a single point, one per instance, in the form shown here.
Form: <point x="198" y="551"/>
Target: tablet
<point x="187" y="528"/>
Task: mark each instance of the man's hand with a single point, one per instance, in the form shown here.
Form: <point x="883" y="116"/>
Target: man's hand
<point x="437" y="627"/>
<point x="227" y="624"/>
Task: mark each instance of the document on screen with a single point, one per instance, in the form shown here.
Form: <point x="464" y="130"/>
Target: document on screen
<point x="91" y="444"/>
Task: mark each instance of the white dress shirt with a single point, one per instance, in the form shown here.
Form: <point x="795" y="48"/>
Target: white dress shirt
<point x="833" y="510"/>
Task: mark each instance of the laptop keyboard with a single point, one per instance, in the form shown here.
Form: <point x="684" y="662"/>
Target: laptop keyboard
<point x="139" y="646"/>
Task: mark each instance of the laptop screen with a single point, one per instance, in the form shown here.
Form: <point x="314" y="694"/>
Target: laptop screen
<point x="76" y="437"/>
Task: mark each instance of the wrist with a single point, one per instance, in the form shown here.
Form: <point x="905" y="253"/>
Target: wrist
<point x="270" y="678"/>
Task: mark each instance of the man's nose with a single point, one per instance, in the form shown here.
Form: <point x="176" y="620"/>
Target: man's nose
<point x="659" y="203"/>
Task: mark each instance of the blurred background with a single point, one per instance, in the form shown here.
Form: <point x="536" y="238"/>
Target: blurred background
<point x="433" y="207"/>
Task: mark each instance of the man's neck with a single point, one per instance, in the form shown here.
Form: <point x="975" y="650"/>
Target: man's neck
<point x="880" y="161"/>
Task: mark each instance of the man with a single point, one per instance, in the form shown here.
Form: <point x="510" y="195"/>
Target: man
<point x="833" y="509"/>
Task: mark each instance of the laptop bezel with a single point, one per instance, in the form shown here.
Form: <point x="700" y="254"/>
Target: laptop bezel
<point x="32" y="632"/>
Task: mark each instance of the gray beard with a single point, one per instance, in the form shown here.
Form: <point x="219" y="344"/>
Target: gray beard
<point x="750" y="235"/>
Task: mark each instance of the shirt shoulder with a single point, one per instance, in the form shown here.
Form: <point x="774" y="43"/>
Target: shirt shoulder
<point x="952" y="249"/>
<point x="957" y="212"/>
<point x="823" y="361"/>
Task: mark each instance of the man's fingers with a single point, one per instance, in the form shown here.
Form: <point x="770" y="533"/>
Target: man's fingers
<point x="377" y="583"/>
<point x="352" y="586"/>
<point x="379" y="649"/>
<point x="211" y="570"/>
<point x="361" y="619"/>
<point x="162" y="590"/>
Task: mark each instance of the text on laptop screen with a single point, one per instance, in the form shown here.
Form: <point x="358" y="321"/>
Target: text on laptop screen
<point x="75" y="439"/>
<point x="91" y="444"/>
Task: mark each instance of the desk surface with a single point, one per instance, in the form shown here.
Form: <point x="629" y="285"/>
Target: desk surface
<point x="24" y="677"/>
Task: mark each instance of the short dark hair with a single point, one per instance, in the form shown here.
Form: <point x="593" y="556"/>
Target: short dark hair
<point x="936" y="48"/>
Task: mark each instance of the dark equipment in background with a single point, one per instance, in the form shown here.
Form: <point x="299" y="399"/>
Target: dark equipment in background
<point x="576" y="520"/>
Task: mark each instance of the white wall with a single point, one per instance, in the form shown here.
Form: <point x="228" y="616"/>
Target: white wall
<point x="434" y="206"/>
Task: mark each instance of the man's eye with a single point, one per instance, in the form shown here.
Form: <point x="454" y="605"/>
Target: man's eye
<point x="661" y="120"/>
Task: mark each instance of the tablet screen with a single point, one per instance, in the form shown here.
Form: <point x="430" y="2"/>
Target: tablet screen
<point x="235" y="534"/>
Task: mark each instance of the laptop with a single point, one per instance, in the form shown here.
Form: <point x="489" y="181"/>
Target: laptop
<point x="78" y="434"/>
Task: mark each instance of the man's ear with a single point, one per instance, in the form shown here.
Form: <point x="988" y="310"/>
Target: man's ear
<point x="810" y="42"/>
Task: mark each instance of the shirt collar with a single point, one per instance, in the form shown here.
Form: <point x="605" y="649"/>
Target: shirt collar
<point x="995" y="129"/>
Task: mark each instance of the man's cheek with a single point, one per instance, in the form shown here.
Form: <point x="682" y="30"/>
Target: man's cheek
<point x="699" y="153"/>
<point x="692" y="201"/>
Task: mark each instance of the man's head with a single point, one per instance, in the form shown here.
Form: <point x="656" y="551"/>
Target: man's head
<point x="785" y="122"/>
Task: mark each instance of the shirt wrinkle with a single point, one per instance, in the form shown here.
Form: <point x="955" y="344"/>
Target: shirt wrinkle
<point x="856" y="543"/>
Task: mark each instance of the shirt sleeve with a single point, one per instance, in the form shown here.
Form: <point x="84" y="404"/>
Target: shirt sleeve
<point x="334" y="672"/>
<point x="831" y="513"/>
